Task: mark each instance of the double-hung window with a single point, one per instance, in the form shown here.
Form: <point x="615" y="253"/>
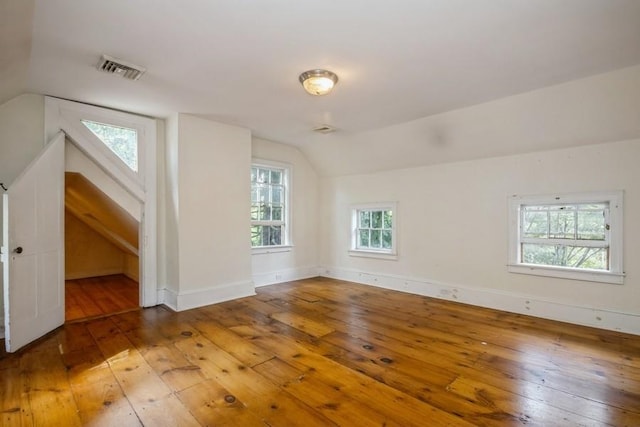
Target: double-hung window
<point x="576" y="236"/>
<point x="373" y="230"/>
<point x="269" y="206"/>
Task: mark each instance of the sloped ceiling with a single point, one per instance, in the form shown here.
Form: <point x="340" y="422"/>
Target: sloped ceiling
<point x="238" y="62"/>
<point x="16" y="19"/>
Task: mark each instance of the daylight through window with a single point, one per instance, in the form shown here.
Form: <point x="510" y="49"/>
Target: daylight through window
<point x="374" y="229"/>
<point x="268" y="206"/>
<point x="575" y="236"/>
<point x="122" y="141"/>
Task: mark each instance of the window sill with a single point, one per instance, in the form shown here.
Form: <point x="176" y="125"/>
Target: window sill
<point x="568" y="273"/>
<point x="271" y="249"/>
<point x="373" y="254"/>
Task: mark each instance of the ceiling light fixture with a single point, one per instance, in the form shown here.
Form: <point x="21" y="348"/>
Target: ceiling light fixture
<point x="318" y="82"/>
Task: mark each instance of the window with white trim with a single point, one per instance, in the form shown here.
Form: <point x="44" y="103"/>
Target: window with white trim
<point x="373" y="229"/>
<point x="269" y="206"/>
<point x="575" y="236"/>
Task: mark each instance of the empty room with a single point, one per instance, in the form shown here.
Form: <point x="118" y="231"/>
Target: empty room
<point x="348" y="213"/>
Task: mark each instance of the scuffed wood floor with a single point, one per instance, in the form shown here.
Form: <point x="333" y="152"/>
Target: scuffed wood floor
<point x="322" y="352"/>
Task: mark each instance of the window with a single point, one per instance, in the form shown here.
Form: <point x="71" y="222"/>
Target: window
<point x="575" y="236"/>
<point x="122" y="141"/>
<point x="374" y="230"/>
<point x="269" y="203"/>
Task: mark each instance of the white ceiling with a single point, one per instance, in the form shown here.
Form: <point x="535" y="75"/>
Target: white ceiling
<point x="238" y="61"/>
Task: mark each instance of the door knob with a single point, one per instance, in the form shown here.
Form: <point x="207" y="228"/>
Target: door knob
<point x="18" y="250"/>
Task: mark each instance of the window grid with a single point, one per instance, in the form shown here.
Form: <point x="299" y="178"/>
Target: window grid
<point x="567" y="235"/>
<point x="374" y="229"/>
<point x="268" y="213"/>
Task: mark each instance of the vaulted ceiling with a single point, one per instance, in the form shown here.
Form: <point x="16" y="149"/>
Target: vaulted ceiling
<point x="238" y="62"/>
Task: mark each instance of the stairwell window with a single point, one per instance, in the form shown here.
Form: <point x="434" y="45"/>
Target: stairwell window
<point x="269" y="205"/>
<point x="576" y="236"/>
<point x="373" y="230"/>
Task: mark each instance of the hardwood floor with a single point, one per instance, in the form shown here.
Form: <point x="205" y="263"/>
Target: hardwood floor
<point x="322" y="352"/>
<point x="99" y="296"/>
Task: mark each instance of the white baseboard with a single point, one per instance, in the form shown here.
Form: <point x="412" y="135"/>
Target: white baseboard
<point x="511" y="302"/>
<point x="201" y="297"/>
<point x="286" y="275"/>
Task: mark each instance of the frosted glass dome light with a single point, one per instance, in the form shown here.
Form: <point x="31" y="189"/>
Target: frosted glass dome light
<point x="318" y="82"/>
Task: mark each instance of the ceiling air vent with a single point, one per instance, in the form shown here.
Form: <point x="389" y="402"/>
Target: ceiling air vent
<point x="121" y="68"/>
<point x="324" y="129"/>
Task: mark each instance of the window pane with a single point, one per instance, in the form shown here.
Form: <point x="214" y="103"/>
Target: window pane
<point x="376" y="219"/>
<point x="534" y="223"/>
<point x="375" y="239"/>
<point x="258" y="193"/>
<point x="256" y="235"/>
<point x="263" y="175"/>
<point x="122" y="141"/>
<point x="276" y="213"/>
<point x="386" y="239"/>
<point x="265" y="212"/>
<point x="562" y="224"/>
<point x="255" y="212"/>
<point x="363" y="238"/>
<point x="365" y="219"/>
<point x="388" y="219"/>
<point x="265" y="236"/>
<point x="276" y="195"/>
<point x="591" y="225"/>
<point x="275" y="235"/>
<point x="565" y="256"/>
<point x="267" y="206"/>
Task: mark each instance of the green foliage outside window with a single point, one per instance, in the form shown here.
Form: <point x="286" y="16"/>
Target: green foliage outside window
<point x="375" y="229"/>
<point x="267" y="206"/>
<point x="565" y="235"/>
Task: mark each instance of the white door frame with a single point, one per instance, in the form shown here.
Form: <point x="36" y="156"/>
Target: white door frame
<point x="66" y="115"/>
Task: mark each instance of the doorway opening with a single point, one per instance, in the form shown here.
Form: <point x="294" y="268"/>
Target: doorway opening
<point x="101" y="250"/>
<point x="115" y="152"/>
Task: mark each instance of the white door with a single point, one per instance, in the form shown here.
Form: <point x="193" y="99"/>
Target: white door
<point x="33" y="248"/>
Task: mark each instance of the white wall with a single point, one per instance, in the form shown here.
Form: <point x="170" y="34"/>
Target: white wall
<point x="453" y="231"/>
<point x="168" y="188"/>
<point x="208" y="180"/>
<point x="21" y="139"/>
<point x="302" y="260"/>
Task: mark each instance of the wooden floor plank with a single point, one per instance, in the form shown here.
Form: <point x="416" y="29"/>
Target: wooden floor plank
<point x="320" y="352"/>
<point x="243" y="350"/>
<point x="150" y="397"/>
<point x="15" y="408"/>
<point x="212" y="404"/>
<point x="47" y="385"/>
<point x="99" y="296"/>
<point x="260" y="395"/>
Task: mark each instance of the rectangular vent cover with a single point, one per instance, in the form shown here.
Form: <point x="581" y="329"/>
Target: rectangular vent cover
<point x="120" y="68"/>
